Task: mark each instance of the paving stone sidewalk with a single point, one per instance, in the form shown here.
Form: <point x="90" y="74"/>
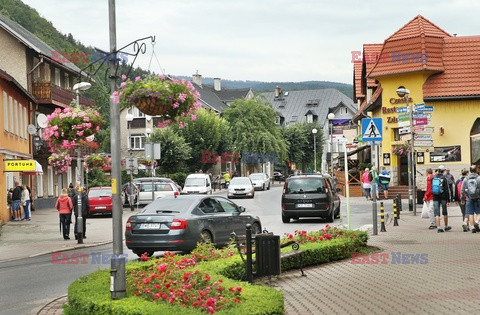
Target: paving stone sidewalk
<point x="446" y="284"/>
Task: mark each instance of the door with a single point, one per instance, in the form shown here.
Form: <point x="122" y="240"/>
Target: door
<point x="216" y="220"/>
<point x="236" y="222"/>
<point x="403" y="170"/>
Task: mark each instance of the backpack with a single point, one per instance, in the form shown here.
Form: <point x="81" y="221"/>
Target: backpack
<point x="370" y="176"/>
<point x="472" y="188"/>
<point x="437" y="185"/>
<point x="459" y="189"/>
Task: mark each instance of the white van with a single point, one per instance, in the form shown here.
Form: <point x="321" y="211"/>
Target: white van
<point x="197" y="184"/>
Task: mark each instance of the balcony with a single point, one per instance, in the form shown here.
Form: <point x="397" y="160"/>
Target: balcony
<point x="47" y="93"/>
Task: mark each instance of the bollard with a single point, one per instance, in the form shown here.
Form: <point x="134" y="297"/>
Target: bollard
<point x="382" y="218"/>
<point x="398" y="201"/>
<point x="395" y="221"/>
<point x="248" y="268"/>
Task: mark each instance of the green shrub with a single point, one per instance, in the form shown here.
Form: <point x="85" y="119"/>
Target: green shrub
<point x="179" y="178"/>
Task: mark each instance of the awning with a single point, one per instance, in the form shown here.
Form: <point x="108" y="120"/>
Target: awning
<point x="31" y="167"/>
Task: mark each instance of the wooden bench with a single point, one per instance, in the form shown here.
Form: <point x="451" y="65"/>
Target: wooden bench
<point x="240" y="244"/>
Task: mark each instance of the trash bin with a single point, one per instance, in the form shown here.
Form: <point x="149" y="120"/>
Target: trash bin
<point x="267" y="249"/>
<point x="420" y="195"/>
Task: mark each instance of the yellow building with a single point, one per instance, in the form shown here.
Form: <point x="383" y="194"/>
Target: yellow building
<point x="441" y="72"/>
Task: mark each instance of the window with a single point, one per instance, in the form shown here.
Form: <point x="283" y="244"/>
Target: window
<point x="210" y="206"/>
<point x="10" y="114"/>
<point x="309" y="118"/>
<point x="227" y="206"/>
<point x="21" y="120"/>
<point x="136" y="112"/>
<point x="67" y="81"/>
<point x="57" y="77"/>
<point x="137" y="142"/>
<point x="5" y="111"/>
<point x="396" y="134"/>
<point x="39" y="185"/>
<point x="15" y="114"/>
<point x="50" y="181"/>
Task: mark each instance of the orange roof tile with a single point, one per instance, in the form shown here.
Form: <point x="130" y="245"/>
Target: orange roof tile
<point x="416" y="46"/>
<point x="357" y="80"/>
<point x="375" y="96"/>
<point x="461" y="59"/>
<point x="371" y="53"/>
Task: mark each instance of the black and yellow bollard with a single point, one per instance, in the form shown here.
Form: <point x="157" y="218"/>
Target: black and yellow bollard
<point x="382" y="218"/>
<point x="398" y="202"/>
<point x="395" y="213"/>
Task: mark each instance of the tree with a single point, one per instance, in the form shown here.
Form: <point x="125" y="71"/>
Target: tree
<point x="208" y="132"/>
<point x="252" y="127"/>
<point x="174" y="150"/>
<point x="300" y="144"/>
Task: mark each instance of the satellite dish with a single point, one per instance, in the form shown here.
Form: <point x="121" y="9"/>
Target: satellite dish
<point x="31" y="129"/>
<point x="42" y="121"/>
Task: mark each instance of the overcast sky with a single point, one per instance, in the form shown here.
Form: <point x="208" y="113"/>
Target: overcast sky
<point x="266" y="40"/>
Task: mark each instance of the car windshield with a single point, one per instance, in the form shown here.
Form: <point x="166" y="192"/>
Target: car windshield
<point x="195" y="182"/>
<point x="256" y="176"/>
<point x="305" y="185"/>
<point x="240" y="181"/>
<point x="174" y="205"/>
<point x="100" y="193"/>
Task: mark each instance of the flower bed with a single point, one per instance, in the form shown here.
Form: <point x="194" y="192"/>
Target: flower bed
<point x="203" y="282"/>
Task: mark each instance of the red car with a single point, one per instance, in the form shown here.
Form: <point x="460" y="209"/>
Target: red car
<point x="100" y="200"/>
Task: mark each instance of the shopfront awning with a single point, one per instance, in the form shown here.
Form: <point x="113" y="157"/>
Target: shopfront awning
<point x="27" y="167"/>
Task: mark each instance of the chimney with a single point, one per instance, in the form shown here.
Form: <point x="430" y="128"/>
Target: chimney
<point x="197" y="79"/>
<point x="278" y="91"/>
<point x="217" y="84"/>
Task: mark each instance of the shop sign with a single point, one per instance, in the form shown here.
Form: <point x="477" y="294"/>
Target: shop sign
<point x="19" y="165"/>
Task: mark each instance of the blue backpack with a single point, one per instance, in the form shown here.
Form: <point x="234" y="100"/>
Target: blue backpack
<point x="437" y="185"/>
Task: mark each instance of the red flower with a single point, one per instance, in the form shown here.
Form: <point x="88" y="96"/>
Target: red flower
<point x="290" y="236"/>
<point x="328" y="236"/>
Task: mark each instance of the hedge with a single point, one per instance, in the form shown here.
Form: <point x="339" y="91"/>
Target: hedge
<point x="91" y="294"/>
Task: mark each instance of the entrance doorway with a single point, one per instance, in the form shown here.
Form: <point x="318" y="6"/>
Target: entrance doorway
<point x="475" y="143"/>
<point x="403" y="170"/>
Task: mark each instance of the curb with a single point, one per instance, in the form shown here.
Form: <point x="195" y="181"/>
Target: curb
<point x="54" y="307"/>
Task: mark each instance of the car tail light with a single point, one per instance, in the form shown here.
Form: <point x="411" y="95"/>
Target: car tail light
<point x="284" y="207"/>
<point x="128" y="226"/>
<point x="178" y="224"/>
<point x="175" y="194"/>
<point x="284" y="187"/>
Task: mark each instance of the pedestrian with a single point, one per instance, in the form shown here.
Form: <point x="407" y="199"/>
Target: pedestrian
<point x="25" y="202"/>
<point x="366" y="183"/>
<point x="226" y="177"/>
<point x="428" y="199"/>
<point x="373" y="177"/>
<point x="71" y="191"/>
<point x="9" y="203"/>
<point x="441" y="197"/>
<point x="384" y="181"/>
<point x="451" y="184"/>
<point x="461" y="199"/>
<point x="131" y="191"/>
<point x="32" y="206"/>
<point x="16" y="201"/>
<point x="64" y="206"/>
<point x="471" y="190"/>
<point x="85" y="207"/>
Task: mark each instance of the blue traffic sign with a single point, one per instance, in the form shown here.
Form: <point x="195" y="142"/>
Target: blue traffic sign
<point x="372" y="129"/>
<point x="425" y="109"/>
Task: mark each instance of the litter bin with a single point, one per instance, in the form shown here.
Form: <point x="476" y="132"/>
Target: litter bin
<point x="267" y="249"/>
<point x="420" y="195"/>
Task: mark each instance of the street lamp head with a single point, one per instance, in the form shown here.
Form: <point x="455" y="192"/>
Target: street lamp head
<point x="129" y="117"/>
<point x="331" y="116"/>
<point x="402" y="91"/>
<point x="314" y="131"/>
<point x="81" y="86"/>
<point x="148" y="132"/>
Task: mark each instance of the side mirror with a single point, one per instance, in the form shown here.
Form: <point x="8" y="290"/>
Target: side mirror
<point x="241" y="209"/>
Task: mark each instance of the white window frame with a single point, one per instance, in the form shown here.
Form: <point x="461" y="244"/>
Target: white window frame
<point x="69" y="175"/>
<point x="21" y="120"/>
<point x="25" y="122"/>
<point x="136" y="112"/>
<point x="15" y="114"/>
<point x="10" y="114"/>
<point x="5" y="111"/>
<point x="67" y="80"/>
<point x="309" y="118"/>
<point x="58" y="80"/>
<point x="50" y="181"/>
<point x="138" y="142"/>
<point x="39" y="185"/>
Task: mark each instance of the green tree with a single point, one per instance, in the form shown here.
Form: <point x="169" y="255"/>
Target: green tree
<point x="209" y="132"/>
<point x="299" y="138"/>
<point x="174" y="150"/>
<point x="252" y="127"/>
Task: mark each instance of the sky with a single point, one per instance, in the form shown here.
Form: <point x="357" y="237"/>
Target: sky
<point x="264" y="40"/>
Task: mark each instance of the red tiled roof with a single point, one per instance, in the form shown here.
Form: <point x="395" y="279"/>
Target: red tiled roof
<point x="365" y="105"/>
<point x="416" y="46"/>
<point x="371" y="54"/>
<point x="357" y="80"/>
<point x="461" y="59"/>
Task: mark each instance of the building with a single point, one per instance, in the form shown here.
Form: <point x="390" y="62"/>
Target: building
<point x="30" y="64"/>
<point x="441" y="71"/>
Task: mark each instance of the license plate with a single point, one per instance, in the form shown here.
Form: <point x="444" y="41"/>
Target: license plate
<point x="305" y="205"/>
<point x="150" y="226"/>
<point x="101" y="207"/>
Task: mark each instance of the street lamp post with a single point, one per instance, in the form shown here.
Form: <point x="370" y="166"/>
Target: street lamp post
<point x="129" y="118"/>
<point x="82" y="86"/>
<point x="314" y="131"/>
<point x="148" y="132"/>
<point x="403" y="92"/>
<point x="331" y="116"/>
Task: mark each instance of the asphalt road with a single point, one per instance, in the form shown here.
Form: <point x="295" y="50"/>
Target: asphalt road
<point x="29" y="284"/>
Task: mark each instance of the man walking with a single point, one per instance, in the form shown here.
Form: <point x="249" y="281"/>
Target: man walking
<point x="16" y="200"/>
<point x="441" y="197"/>
<point x="384" y="181"/>
<point x="451" y="183"/>
<point x="471" y="189"/>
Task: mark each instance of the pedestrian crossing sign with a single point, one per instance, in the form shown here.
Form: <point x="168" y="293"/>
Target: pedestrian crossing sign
<point x="372" y="129"/>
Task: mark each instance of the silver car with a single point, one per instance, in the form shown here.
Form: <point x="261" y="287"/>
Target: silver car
<point x="241" y="187"/>
<point x="260" y="180"/>
<point x="179" y="223"/>
<point x="162" y="189"/>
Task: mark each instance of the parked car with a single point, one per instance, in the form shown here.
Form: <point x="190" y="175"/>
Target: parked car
<point x="260" y="180"/>
<point x="178" y="224"/>
<point x="161" y="190"/>
<point x="310" y="196"/>
<point x="278" y="176"/>
<point x="241" y="187"/>
<point x="198" y="184"/>
<point x="100" y="200"/>
<point x="138" y="181"/>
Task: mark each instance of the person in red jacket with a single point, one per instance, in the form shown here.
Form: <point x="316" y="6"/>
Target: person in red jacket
<point x="428" y="198"/>
<point x="64" y="206"/>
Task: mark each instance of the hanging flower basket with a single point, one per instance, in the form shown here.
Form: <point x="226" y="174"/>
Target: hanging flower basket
<point x="147" y="162"/>
<point x="159" y="96"/>
<point x="402" y="150"/>
<point x="70" y="126"/>
<point x="60" y="161"/>
<point x="96" y="161"/>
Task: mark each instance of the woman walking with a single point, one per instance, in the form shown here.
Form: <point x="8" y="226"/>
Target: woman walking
<point x="366" y="183"/>
<point x="25" y="202"/>
<point x="64" y="206"/>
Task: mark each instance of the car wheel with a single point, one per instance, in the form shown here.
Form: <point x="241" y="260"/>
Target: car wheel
<point x="337" y="213"/>
<point x="252" y="196"/>
<point x="268" y="188"/>
<point x="285" y="219"/>
<point x="263" y="188"/>
<point x="206" y="237"/>
<point x="256" y="228"/>
<point x="331" y="217"/>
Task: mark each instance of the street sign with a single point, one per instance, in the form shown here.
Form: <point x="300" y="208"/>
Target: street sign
<point x="131" y="162"/>
<point x="403" y="117"/>
<point x="423" y="143"/>
<point x="372" y="129"/>
<point x="423" y="137"/>
<point x="425" y="109"/>
<point x="421" y="115"/>
<point x="406" y="137"/>
<point x="404" y="130"/>
<point x="404" y="123"/>
<point x="419" y="106"/>
<point x="401" y="110"/>
<point x="420" y="121"/>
